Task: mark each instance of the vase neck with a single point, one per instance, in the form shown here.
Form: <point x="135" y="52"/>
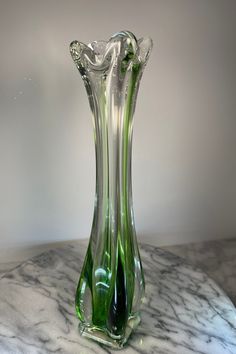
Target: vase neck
<point x="112" y="101"/>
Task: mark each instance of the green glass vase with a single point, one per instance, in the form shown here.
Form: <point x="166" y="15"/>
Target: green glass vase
<point x="111" y="284"/>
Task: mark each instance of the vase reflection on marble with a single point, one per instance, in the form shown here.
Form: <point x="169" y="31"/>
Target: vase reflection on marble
<point x="111" y="285"/>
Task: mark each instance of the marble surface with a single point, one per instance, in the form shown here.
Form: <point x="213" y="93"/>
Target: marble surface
<point x="217" y="258"/>
<point x="184" y="312"/>
<point x="6" y="266"/>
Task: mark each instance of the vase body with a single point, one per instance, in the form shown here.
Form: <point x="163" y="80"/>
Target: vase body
<point x="111" y="284"/>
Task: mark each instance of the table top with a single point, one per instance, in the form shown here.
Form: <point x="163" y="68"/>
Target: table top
<point x="217" y="258"/>
<point x="184" y="311"/>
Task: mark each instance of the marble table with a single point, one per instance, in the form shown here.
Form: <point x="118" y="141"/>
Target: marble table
<point x="217" y="258"/>
<point x="184" y="312"/>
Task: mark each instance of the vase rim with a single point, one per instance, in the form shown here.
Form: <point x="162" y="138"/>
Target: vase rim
<point x="99" y="54"/>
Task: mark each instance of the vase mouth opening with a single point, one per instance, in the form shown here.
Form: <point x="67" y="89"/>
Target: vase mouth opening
<point x="98" y="55"/>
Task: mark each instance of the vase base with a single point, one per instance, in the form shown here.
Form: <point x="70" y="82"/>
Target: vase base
<point x="105" y="337"/>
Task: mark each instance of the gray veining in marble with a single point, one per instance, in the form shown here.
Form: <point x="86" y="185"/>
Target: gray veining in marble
<point x="217" y="258"/>
<point x="185" y="311"/>
<point x="6" y="266"/>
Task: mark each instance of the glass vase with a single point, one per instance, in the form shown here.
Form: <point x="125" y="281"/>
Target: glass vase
<point x="111" y="284"/>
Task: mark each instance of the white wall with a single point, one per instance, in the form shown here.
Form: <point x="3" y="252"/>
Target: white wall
<point x="184" y="166"/>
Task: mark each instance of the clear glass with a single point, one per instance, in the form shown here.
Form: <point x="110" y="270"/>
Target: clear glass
<point x="111" y="285"/>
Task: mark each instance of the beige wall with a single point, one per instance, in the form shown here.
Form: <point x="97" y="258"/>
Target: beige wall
<point x="184" y="173"/>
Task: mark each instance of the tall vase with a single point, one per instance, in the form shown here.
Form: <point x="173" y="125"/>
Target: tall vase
<point x="111" y="285"/>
